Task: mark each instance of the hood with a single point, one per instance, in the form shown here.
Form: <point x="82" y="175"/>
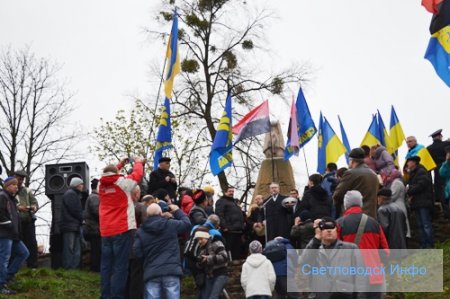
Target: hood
<point x="155" y="225"/>
<point x="255" y="260"/>
<point x="109" y="179"/>
<point x="353" y="210"/>
<point x="319" y="192"/>
<point x="378" y="151"/>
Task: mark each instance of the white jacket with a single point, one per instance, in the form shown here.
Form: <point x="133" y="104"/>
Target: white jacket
<point x="257" y="276"/>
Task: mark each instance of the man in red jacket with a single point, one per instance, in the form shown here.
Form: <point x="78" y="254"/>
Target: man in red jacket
<point x="372" y="237"/>
<point x="117" y="221"/>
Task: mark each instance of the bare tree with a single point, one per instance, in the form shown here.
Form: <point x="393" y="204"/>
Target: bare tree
<point x="34" y="107"/>
<point x="219" y="41"/>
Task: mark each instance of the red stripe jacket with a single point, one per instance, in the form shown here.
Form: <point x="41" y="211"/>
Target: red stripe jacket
<point x="116" y="209"/>
<point x="372" y="238"/>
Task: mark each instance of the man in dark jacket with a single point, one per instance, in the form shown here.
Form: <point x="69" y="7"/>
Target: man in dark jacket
<point x="419" y="191"/>
<point x="71" y="220"/>
<point x="163" y="178"/>
<point x="231" y="222"/>
<point x="198" y="215"/>
<point x="91" y="229"/>
<point x="359" y="177"/>
<point x="392" y="220"/>
<point x="437" y="152"/>
<point x="156" y="243"/>
<point x="10" y="244"/>
<point x="275" y="215"/>
<point x="316" y="199"/>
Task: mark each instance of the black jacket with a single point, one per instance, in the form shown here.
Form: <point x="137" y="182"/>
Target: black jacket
<point x="278" y="219"/>
<point x="71" y="211"/>
<point x="230" y="214"/>
<point x="197" y="215"/>
<point x="90" y="215"/>
<point x="9" y="217"/>
<point x="157" y="181"/>
<point x="317" y="201"/>
<point x="420" y="188"/>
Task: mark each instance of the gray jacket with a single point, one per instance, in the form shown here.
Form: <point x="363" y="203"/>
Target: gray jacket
<point x="340" y="254"/>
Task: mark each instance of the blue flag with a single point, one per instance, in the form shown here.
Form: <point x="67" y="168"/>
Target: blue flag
<point x="164" y="137"/>
<point x="306" y="127"/>
<point x="372" y="136"/>
<point x="345" y="140"/>
<point x="221" y="150"/>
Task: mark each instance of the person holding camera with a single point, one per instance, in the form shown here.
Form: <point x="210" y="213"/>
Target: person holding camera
<point x="28" y="206"/>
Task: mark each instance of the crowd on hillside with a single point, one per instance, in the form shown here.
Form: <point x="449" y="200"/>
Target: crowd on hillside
<point x="143" y="242"/>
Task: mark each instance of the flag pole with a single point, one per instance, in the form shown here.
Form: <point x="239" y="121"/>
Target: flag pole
<point x="271" y="155"/>
<point x="306" y="163"/>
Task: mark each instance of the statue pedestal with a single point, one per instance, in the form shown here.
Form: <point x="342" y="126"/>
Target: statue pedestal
<point x="281" y="173"/>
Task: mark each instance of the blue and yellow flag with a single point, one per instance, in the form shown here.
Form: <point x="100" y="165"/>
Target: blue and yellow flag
<point x="305" y="126"/>
<point x="173" y="58"/>
<point x="221" y="150"/>
<point x="329" y="145"/>
<point x="164" y="137"/>
<point x="345" y="140"/>
<point x="438" y="53"/>
<point x="385" y="139"/>
<point x="395" y="130"/>
<point x="396" y="134"/>
<point x="425" y="157"/>
<point x="372" y="136"/>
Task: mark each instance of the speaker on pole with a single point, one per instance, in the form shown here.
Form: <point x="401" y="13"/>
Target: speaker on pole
<point x="57" y="181"/>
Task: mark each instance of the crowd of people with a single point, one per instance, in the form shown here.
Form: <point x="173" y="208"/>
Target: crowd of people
<point x="142" y="242"/>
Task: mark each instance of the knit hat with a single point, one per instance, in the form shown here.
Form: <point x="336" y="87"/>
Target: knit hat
<point x="76" y="181"/>
<point x="255" y="247"/>
<point x="385" y="192"/>
<point x="201" y="234"/>
<point x="9" y="181"/>
<point x="199" y="196"/>
<point x="209" y="189"/>
<point x="21" y="173"/>
<point x="163" y="205"/>
<point x="352" y="198"/>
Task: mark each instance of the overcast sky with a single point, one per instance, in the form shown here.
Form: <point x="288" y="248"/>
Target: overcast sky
<point x="367" y="55"/>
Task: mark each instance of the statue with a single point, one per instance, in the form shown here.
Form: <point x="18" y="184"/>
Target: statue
<point x="274" y="142"/>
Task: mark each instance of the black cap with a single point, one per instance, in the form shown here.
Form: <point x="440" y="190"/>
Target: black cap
<point x="414" y="158"/>
<point x="357" y="153"/>
<point x="164" y="159"/>
<point x="385" y="192"/>
<point x="436" y="133"/>
<point x="199" y="196"/>
<point x="21" y="173"/>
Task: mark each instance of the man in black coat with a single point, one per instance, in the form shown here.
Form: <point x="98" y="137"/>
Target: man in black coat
<point x="419" y="191"/>
<point x="275" y="215"/>
<point x="163" y="178"/>
<point x="437" y="152"/>
<point x="231" y="222"/>
<point x="70" y="226"/>
<point x="91" y="230"/>
<point x="12" y="251"/>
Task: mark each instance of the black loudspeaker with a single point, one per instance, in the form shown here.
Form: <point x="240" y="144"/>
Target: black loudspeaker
<point x="58" y="176"/>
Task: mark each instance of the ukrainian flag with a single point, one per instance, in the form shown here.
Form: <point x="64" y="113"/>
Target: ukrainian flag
<point x="425" y="158"/>
<point x="173" y="59"/>
<point x="221" y="150"/>
<point x="395" y="130"/>
<point x="329" y="145"/>
<point x="438" y="53"/>
<point x="345" y="140"/>
<point x="385" y="139"/>
<point x="372" y="136"/>
<point x="164" y="136"/>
